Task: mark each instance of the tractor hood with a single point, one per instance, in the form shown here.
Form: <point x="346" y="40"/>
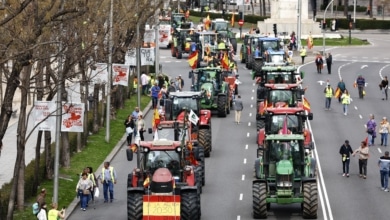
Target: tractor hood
<point x="208" y="87"/>
<point x="162" y="181"/>
<point x="284" y="167"/>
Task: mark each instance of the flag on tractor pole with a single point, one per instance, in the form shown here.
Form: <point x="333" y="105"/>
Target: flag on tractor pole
<point x="156" y="118"/>
<point x="193" y="117"/>
<point x="306" y="104"/>
<point x="285" y="128"/>
<point x="310" y="42"/>
<point x="225" y="61"/>
<point x="232" y="21"/>
<point x="193" y="60"/>
<point x="264" y="107"/>
<point x="207" y="22"/>
<point x="337" y="93"/>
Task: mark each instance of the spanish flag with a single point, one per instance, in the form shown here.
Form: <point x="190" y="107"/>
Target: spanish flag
<point x="147" y="182"/>
<point x="156" y="118"/>
<point x="225" y="61"/>
<point x="337" y="93"/>
<point x="232" y="21"/>
<point x="306" y="104"/>
<point x="207" y="22"/>
<point x="310" y="42"/>
<point x="193" y="60"/>
<point x="264" y="107"/>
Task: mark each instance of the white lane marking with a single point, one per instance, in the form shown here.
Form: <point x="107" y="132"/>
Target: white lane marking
<point x="243" y="177"/>
<point x="360" y="116"/>
<point x="244" y="160"/>
<point x="252" y="97"/>
<point x="356" y="107"/>
<point x="246" y="147"/>
<point x="380" y="71"/>
<point x="238" y="217"/>
<point x="379" y="150"/>
<point x="364" y="66"/>
<point x="253" y="90"/>
<point x="247" y="134"/>
<point x="339" y="69"/>
<point x="254" y="84"/>
<point x="365" y="125"/>
<point x="251" y="106"/>
<point x="249" y="124"/>
<point x="250" y="114"/>
<point x="241" y="195"/>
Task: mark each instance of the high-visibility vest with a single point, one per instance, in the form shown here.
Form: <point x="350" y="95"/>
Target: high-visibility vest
<point x="328" y="92"/>
<point x="303" y="52"/>
<point x="221" y="46"/>
<point x="346" y="99"/>
<point x="111" y="173"/>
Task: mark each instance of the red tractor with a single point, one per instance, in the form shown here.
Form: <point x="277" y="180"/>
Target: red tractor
<point x="277" y="96"/>
<point x="164" y="185"/>
<point x="286" y="120"/>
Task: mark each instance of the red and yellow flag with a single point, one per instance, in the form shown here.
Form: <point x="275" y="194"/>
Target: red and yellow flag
<point x="156" y="118"/>
<point x="264" y="107"/>
<point x="310" y="42"/>
<point x="193" y="60"/>
<point x="232" y="21"/>
<point x="306" y="104"/>
<point x="207" y="22"/>
<point x="337" y="93"/>
<point x="225" y="61"/>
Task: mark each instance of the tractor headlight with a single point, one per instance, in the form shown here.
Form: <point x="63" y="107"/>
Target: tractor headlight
<point x="146" y="150"/>
<point x="178" y="149"/>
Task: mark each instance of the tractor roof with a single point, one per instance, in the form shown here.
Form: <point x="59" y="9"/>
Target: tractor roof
<point x="285" y="137"/>
<point x="269" y="39"/>
<point x="161" y="144"/>
<point x="278" y="68"/>
<point x="281" y="86"/>
<point x="255" y="35"/>
<point x="185" y="94"/>
<point x="207" y="69"/>
<point x="219" y="20"/>
<point x="275" y="52"/>
<point x="206" y="33"/>
<point x="285" y="111"/>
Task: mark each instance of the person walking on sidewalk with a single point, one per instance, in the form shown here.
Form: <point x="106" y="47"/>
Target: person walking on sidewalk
<point x="364" y="153"/>
<point x="238" y="107"/>
<point x="303" y="54"/>
<point x="329" y="61"/>
<point x="384" y="167"/>
<point x="129" y="124"/>
<point x="328" y="96"/>
<point x="384" y="131"/>
<point x="384" y="86"/>
<point x="345" y="151"/>
<point x="109" y="178"/>
<point x="346" y="100"/>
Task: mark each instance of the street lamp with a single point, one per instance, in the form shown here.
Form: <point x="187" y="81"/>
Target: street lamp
<point x="110" y="46"/>
<point x="323" y="30"/>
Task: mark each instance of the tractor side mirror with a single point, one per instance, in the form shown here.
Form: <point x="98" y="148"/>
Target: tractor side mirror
<point x="150" y="130"/>
<point x="129" y="154"/>
<point x="310" y="116"/>
<point x="237" y="76"/>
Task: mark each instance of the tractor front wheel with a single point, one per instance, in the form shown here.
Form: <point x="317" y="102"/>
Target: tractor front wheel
<point x="257" y="65"/>
<point x="189" y="205"/>
<point x="221" y="105"/>
<point x="173" y="50"/>
<point x="259" y="193"/>
<point x="202" y="162"/>
<point x="179" y="54"/>
<point x="260" y="124"/>
<point x="310" y="201"/>
<point x="204" y="138"/>
<point x="134" y="205"/>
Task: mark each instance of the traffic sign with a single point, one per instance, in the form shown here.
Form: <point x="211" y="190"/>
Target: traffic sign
<point x="241" y="22"/>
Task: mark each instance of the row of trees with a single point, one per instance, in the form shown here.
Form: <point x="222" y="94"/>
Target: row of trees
<point x="45" y="38"/>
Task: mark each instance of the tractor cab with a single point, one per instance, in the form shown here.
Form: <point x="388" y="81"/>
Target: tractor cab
<point x="178" y="102"/>
<point x="177" y="19"/>
<point x="276" y="74"/>
<point x="280" y="95"/>
<point x="208" y="80"/>
<point x="207" y="42"/>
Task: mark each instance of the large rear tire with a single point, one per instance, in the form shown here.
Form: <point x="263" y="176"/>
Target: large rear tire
<point x="257" y="65"/>
<point x="130" y="180"/>
<point x="260" y="124"/>
<point x="250" y="62"/>
<point x="204" y="138"/>
<point x="189" y="206"/>
<point x="242" y="56"/>
<point x="173" y="51"/>
<point x="221" y="105"/>
<point x="233" y="42"/>
<point x="134" y="205"/>
<point x="198" y="176"/>
<point x="179" y="54"/>
<point x="202" y="162"/>
<point x="310" y="201"/>
<point x="259" y="194"/>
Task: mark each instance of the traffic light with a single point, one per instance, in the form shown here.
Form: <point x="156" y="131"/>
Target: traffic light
<point x="275" y="28"/>
<point x="320" y="25"/>
<point x="349" y="17"/>
<point x="240" y="15"/>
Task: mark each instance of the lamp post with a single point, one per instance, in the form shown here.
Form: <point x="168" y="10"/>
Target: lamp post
<point x="299" y="24"/>
<point x="138" y="58"/>
<point x="354" y="13"/>
<point x="323" y="30"/>
<point x="110" y="46"/>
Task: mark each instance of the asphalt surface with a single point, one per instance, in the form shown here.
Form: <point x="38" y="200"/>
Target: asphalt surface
<point x="228" y="190"/>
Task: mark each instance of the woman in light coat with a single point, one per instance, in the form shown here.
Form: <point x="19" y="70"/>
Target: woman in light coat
<point x="384" y="129"/>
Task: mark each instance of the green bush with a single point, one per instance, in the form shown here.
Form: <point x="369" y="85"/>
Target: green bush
<point x="350" y="8"/>
<point x="252" y="19"/>
<point x="361" y="24"/>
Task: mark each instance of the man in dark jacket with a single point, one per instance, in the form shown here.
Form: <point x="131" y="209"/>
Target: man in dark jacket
<point x="385" y="86"/>
<point x="238" y="107"/>
<point x="345" y="151"/>
<point x="329" y="61"/>
<point x="360" y="82"/>
<point x="341" y="86"/>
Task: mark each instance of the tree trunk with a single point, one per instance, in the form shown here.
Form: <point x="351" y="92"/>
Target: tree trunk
<point x="264" y="8"/>
<point x="370" y="5"/>
<point x="48" y="156"/>
<point x="345" y="7"/>
<point x="96" y="124"/>
<point x="103" y="106"/>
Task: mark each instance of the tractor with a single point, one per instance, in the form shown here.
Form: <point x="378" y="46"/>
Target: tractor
<point x="182" y="40"/>
<point x="216" y="94"/>
<point x="290" y="120"/>
<point x="256" y="54"/>
<point x="248" y="45"/>
<point x="285" y="173"/>
<point x="164" y="179"/>
<point x="277" y="96"/>
<point x="276" y="74"/>
<point x="206" y="43"/>
<point x="220" y="26"/>
<point x="175" y="108"/>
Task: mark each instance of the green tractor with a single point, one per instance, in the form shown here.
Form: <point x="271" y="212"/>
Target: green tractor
<point x="182" y="39"/>
<point x="248" y="46"/>
<point x="285" y="173"/>
<point x="215" y="90"/>
<point x="221" y="27"/>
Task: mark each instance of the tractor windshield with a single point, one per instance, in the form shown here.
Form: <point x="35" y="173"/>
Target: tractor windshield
<point x="287" y="150"/>
<point x="172" y="134"/>
<point x="219" y="26"/>
<point x="273" y="45"/>
<point x="279" y="77"/>
<point x="163" y="159"/>
<point x="285" y="96"/>
<point x="182" y="103"/>
<point x="278" y="121"/>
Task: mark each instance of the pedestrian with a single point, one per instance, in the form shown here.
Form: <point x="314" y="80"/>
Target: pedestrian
<point x="42" y="214"/>
<point x="144" y="83"/>
<point x="345" y="151"/>
<point x="346" y="100"/>
<point x="54" y="214"/>
<point x="384" y="131"/>
<point x="109" y="178"/>
<point x="341" y="86"/>
<point x="363" y="151"/>
<point x="329" y="61"/>
<point x="154" y="93"/>
<point x="328" y="96"/>
<point x="333" y="27"/>
<point x="129" y="125"/>
<point x="384" y="167"/>
<point x="135" y="113"/>
<point x="303" y="54"/>
<point x="163" y="95"/>
<point x="171" y="88"/>
<point x="83" y="188"/>
<point x="384" y="86"/>
<point x="238" y="107"/>
<point x="371" y="130"/>
<point x="181" y="83"/>
<point x="293" y="41"/>
<point x="140" y="125"/>
<point x="93" y="178"/>
<point x="360" y="83"/>
<point x="41" y="198"/>
<point x="319" y="63"/>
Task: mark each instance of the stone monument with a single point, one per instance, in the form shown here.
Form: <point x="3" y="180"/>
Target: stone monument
<point x="284" y="13"/>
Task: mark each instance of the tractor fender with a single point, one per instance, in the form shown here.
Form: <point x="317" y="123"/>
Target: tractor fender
<point x="261" y="137"/>
<point x="309" y="180"/>
<point x="189" y="188"/>
<point x="136" y="189"/>
<point x="259" y="181"/>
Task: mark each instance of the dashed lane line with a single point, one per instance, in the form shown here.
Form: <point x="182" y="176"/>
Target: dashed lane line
<point x="241" y="195"/>
<point x="247" y="134"/>
<point x="243" y="177"/>
<point x="244" y="161"/>
<point x="251" y="106"/>
<point x="249" y="124"/>
<point x="250" y="114"/>
<point x="246" y="147"/>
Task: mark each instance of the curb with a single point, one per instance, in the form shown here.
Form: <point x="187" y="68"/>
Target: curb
<point x="72" y="206"/>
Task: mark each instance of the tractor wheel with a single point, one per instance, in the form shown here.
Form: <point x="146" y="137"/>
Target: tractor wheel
<point x="242" y="57"/>
<point x="198" y="178"/>
<point x="173" y="50"/>
<point x="203" y="165"/>
<point x="189" y="206"/>
<point x="250" y="62"/>
<point x="310" y="201"/>
<point x="247" y="62"/>
<point x="179" y="53"/>
<point x="221" y="105"/>
<point x="134" y="205"/>
<point x="228" y="106"/>
<point x="259" y="193"/>
<point x="204" y="138"/>
<point x="260" y="124"/>
<point x="233" y="42"/>
<point x="130" y="180"/>
<point x="257" y="65"/>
